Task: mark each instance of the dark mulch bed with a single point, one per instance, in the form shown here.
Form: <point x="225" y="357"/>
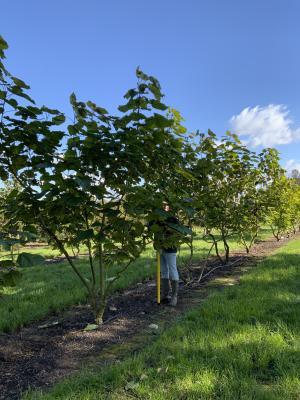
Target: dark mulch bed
<point x="44" y="352"/>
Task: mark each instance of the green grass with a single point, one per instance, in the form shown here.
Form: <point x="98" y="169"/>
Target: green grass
<point x="35" y="248"/>
<point x="242" y="343"/>
<point x="50" y="288"/>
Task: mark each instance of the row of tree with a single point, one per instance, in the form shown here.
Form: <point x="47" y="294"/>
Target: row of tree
<point x="100" y="180"/>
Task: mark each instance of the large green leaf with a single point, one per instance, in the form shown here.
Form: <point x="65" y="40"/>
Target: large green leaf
<point x="50" y="110"/>
<point x="84" y="235"/>
<point x="3" y="46"/>
<point x="141" y="75"/>
<point x="97" y="109"/>
<point x="158" y="105"/>
<point x="20" y="83"/>
<point x="29" y="260"/>
<point x="180" y="228"/>
<point x="155" y="91"/>
<point x="73" y="99"/>
<point x="158" y="121"/>
<point x="59" y="119"/>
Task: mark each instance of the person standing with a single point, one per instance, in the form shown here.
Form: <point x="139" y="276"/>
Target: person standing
<point x="168" y="262"/>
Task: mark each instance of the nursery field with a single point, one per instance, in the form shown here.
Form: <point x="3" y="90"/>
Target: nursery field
<point x="52" y="287"/>
<point x="241" y="343"/>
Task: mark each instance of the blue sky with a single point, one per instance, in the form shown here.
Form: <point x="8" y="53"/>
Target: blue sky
<point x="217" y="60"/>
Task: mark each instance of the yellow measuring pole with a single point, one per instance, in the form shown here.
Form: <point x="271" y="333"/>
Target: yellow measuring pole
<point x="158" y="277"/>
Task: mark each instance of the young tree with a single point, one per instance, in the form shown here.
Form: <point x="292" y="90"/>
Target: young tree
<point x="96" y="185"/>
<point x="224" y="189"/>
<point x="253" y="205"/>
<point x="280" y="197"/>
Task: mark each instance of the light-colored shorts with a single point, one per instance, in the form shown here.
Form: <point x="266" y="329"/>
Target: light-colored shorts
<point x="168" y="268"/>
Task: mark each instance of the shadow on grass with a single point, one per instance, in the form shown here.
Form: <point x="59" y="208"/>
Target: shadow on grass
<point x="49" y="289"/>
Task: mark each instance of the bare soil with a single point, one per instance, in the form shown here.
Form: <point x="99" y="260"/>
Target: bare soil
<point x="39" y="355"/>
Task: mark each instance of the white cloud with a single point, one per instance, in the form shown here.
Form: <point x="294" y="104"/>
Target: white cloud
<point x="265" y="126"/>
<point x="292" y="164"/>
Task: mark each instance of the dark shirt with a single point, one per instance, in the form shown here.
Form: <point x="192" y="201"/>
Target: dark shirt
<point x="167" y="231"/>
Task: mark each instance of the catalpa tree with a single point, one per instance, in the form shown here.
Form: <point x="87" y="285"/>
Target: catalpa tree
<point x="230" y="190"/>
<point x="96" y="184"/>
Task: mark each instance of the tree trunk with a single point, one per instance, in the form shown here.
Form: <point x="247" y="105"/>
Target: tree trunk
<point x="215" y="243"/>
<point x="100" y="311"/>
<point x="98" y="304"/>
<point x="101" y="296"/>
<point x="226" y="251"/>
<point x="226" y="247"/>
